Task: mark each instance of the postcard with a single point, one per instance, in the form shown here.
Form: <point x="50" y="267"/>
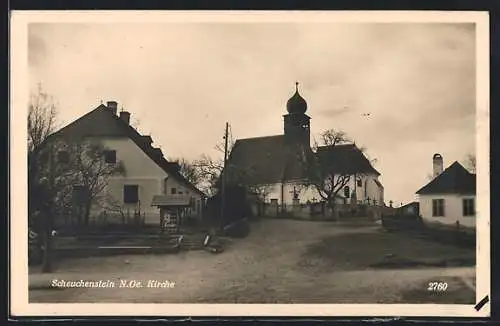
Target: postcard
<point x="217" y="163"/>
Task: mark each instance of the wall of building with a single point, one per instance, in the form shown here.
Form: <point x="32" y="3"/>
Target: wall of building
<point x="453" y="210"/>
<point x="369" y="189"/>
<point x="142" y="171"/>
<point x="305" y="193"/>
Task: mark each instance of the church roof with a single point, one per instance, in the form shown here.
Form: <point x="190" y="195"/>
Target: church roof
<point x="270" y="161"/>
<point x="266" y="160"/>
<point x="102" y="122"/>
<point x="345" y="158"/>
<point x="453" y="180"/>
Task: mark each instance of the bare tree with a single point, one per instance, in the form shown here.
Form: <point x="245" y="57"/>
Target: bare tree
<point x="41" y="122"/>
<point x="209" y="169"/>
<point x="332" y="137"/>
<point x="42" y="118"/>
<point x="323" y="174"/>
<point x="87" y="173"/>
<point x="471" y="163"/>
<point x="188" y="170"/>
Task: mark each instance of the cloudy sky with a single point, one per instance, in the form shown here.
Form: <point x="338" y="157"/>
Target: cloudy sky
<point x="182" y="82"/>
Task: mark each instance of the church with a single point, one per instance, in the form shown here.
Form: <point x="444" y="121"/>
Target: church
<point x="275" y="164"/>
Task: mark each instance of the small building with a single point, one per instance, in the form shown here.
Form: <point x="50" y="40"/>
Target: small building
<point x="147" y="171"/>
<point x="450" y="197"/>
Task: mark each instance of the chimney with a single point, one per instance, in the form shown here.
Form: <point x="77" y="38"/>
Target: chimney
<point x="113" y="106"/>
<point x="125" y="116"/>
<point x="437" y="164"/>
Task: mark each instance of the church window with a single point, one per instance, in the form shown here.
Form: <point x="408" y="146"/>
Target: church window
<point x="360" y="183"/>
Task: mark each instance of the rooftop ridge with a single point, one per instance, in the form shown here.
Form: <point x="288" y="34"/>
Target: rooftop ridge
<point x="260" y="137"/>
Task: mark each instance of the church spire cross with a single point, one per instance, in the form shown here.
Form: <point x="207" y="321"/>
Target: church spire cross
<point x="297" y="86"/>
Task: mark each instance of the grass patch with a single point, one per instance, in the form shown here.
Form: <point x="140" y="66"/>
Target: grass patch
<point x="386" y="250"/>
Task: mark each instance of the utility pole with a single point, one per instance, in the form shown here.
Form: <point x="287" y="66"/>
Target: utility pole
<point x="223" y="190"/>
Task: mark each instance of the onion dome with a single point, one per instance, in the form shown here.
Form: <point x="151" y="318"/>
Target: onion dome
<point x="296" y="104"/>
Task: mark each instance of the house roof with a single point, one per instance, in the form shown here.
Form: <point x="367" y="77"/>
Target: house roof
<point x="345" y="158"/>
<point x="453" y="180"/>
<point x="378" y="183"/>
<point x="267" y="160"/>
<point x="102" y="122"/>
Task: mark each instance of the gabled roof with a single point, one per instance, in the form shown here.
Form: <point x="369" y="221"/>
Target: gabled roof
<point x="266" y="160"/>
<point x="345" y="158"/>
<point x="378" y="183"/>
<point x="102" y="122"/>
<point x="454" y="180"/>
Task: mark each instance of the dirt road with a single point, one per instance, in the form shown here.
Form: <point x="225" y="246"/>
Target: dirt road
<point x="268" y="266"/>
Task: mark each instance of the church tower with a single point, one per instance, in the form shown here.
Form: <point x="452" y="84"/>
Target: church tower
<point x="297" y="123"/>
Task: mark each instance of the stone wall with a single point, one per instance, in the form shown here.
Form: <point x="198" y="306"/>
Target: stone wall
<point x="319" y="211"/>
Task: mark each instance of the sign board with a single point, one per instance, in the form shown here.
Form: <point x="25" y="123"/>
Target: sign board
<point x="171" y="201"/>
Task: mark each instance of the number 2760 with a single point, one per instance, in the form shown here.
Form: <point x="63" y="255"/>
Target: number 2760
<point x="437" y="286"/>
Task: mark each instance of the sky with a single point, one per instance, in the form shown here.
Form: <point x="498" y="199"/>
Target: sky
<point x="183" y="81"/>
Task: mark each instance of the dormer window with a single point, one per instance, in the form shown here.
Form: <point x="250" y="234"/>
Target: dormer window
<point x="110" y="156"/>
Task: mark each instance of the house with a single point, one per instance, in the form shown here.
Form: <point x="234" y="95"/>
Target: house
<point x="148" y="175"/>
<point x="450" y="197"/>
<point x="277" y="165"/>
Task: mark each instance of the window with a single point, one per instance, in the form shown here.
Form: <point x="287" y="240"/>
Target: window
<point x="347" y="192"/>
<point x="438" y="207"/>
<point x="468" y="207"/>
<point x="173" y="191"/>
<point x="63" y="157"/>
<point x="109" y="156"/>
<point x="130" y="194"/>
<point x="360" y="183"/>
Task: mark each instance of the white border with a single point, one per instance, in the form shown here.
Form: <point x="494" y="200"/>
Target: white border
<point x="18" y="192"/>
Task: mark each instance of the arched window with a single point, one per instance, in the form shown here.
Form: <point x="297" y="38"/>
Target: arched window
<point x="347" y="192"/>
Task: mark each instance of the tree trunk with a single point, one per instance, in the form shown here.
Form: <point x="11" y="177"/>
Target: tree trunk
<point x="47" y="243"/>
<point x="79" y="215"/>
<point x="87" y="213"/>
<point x="331" y="205"/>
<point x="47" y="253"/>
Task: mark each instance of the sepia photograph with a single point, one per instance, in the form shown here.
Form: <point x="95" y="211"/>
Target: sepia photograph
<point x="287" y="159"/>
